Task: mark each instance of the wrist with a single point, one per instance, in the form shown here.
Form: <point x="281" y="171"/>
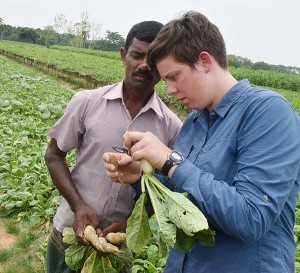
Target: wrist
<point x="174" y="159"/>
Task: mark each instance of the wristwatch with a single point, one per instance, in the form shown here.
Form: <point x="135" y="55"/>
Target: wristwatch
<point x="174" y="158"/>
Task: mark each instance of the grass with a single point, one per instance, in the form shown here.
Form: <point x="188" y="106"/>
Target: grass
<point x="23" y="253"/>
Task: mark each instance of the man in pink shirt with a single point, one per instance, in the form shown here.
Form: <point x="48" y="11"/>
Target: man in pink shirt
<point x="92" y="123"/>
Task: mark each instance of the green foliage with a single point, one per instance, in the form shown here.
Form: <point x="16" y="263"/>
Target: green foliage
<point x="86" y="259"/>
<point x="297" y="236"/>
<point x="238" y="61"/>
<point x="108" y="70"/>
<point x="138" y="231"/>
<point x="266" y="78"/>
<point x="176" y="216"/>
<point x="25" y="117"/>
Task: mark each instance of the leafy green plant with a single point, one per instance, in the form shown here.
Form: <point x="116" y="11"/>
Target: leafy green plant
<point x="180" y="222"/>
<point x="25" y="186"/>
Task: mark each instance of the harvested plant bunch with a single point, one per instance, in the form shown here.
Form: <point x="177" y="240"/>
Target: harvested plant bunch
<point x="180" y="222"/>
<point x="84" y="258"/>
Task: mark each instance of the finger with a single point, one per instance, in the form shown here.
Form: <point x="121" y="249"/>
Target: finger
<point x="80" y="237"/>
<point x="112" y="176"/>
<point x="107" y="156"/>
<point x="125" y="161"/>
<point x="131" y="137"/>
<point x="99" y="232"/>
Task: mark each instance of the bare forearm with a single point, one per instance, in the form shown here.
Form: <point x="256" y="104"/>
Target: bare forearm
<point x="61" y="177"/>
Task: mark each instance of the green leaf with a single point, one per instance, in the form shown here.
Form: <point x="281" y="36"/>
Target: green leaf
<point x="69" y="236"/>
<point x="182" y="212"/>
<point x="206" y="237"/>
<point x="75" y="256"/>
<point x="97" y="264"/>
<point x="119" y="259"/>
<point x="167" y="230"/>
<point x="184" y="243"/>
<point x="152" y="253"/>
<point x="138" y="231"/>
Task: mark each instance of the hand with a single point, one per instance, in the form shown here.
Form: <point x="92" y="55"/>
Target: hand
<point x="115" y="227"/>
<point x="126" y="171"/>
<point x="83" y="216"/>
<point x="146" y="146"/>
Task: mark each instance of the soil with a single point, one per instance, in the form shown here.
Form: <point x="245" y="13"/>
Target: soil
<point x="6" y="240"/>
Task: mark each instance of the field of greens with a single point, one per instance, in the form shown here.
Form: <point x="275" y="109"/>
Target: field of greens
<point x="30" y="103"/>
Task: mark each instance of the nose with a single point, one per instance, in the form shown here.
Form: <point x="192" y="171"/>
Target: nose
<point x="171" y="89"/>
<point x="143" y="65"/>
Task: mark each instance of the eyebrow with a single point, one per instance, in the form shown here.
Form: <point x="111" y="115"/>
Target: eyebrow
<point x="170" y="74"/>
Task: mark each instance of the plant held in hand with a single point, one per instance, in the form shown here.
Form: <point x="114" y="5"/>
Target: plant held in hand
<point x="180" y="222"/>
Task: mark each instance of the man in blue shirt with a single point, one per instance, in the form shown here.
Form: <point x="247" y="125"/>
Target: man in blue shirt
<point x="237" y="155"/>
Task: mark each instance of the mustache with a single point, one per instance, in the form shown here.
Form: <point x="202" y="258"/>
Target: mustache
<point x="142" y="73"/>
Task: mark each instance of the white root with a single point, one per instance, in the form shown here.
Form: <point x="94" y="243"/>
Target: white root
<point x="146" y="166"/>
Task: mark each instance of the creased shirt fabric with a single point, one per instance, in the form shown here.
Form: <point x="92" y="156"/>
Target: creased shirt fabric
<point x="242" y="171"/>
<point x="93" y="122"/>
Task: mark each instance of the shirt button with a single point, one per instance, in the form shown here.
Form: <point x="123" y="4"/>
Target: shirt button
<point x="266" y="197"/>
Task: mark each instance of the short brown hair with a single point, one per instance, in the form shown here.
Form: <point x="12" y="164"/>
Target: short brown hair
<point x="185" y="38"/>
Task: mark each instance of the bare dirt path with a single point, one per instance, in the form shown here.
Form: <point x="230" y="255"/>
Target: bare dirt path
<point x="6" y="240"/>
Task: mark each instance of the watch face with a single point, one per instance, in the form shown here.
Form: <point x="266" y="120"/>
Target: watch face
<point x="176" y="156"/>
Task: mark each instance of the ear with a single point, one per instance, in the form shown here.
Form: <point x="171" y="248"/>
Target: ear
<point x="205" y="59"/>
<point x="123" y="54"/>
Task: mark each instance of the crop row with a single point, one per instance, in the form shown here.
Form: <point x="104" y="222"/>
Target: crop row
<point x="108" y="68"/>
<point x="29" y="105"/>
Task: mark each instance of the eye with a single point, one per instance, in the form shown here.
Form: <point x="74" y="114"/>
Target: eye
<point x="174" y="77"/>
<point x="137" y="55"/>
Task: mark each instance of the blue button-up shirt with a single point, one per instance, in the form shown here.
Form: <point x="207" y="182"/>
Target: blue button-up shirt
<point x="242" y="171"/>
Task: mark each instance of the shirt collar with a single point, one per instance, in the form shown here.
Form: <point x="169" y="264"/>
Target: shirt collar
<point x="153" y="103"/>
<point x="229" y="99"/>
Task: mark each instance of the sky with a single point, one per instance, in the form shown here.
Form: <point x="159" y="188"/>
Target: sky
<point x="260" y="30"/>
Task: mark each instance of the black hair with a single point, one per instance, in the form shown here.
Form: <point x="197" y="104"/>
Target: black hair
<point x="145" y="31"/>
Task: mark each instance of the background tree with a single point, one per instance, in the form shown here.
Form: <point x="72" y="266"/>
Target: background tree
<point x="83" y="29"/>
<point x="48" y="36"/>
<point x="2" y="28"/>
<point x="238" y="61"/>
<point x="95" y="33"/>
<point x="61" y="24"/>
<point x="261" y="66"/>
<point x="28" y="35"/>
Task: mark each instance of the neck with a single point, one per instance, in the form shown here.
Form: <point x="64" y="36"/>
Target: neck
<point x="223" y="82"/>
<point x="135" y="99"/>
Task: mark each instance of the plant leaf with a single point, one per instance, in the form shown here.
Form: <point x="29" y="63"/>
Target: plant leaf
<point x="138" y="231"/>
<point x="96" y="264"/>
<point x="167" y="230"/>
<point x="69" y="236"/>
<point x="206" y="237"/>
<point x="184" y="243"/>
<point x="75" y="256"/>
<point x="182" y="212"/>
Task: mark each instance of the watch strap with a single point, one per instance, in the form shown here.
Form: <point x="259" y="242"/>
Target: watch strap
<point x="167" y="167"/>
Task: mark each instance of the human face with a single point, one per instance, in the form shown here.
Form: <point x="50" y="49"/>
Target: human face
<point x="186" y="83"/>
<point x="137" y="73"/>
